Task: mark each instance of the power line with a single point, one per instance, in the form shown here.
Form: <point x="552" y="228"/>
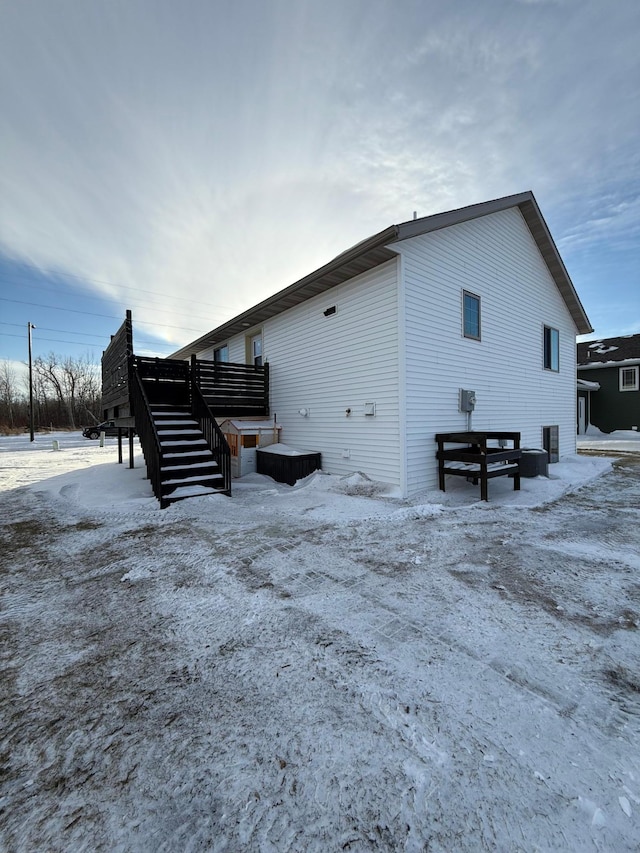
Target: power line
<point x="47" y="329"/>
<point x="130" y="302"/>
<point x="93" y="314"/>
<point x="71" y="332"/>
<point x="150" y="344"/>
<point x="115" y="284"/>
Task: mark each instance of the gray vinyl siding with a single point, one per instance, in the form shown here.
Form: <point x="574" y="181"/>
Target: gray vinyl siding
<point x="330" y="364"/>
<point x="238" y="348"/>
<point x="496" y="258"/>
<point x="206" y="354"/>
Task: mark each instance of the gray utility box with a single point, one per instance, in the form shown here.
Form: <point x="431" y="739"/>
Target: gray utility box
<point x="534" y="463"/>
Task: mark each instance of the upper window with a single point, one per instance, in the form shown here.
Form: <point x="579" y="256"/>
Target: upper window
<point x="221" y="354"/>
<point x="255" y="350"/>
<point x="629" y="378"/>
<point x="471" y="315"/>
<point x="551" y="349"/>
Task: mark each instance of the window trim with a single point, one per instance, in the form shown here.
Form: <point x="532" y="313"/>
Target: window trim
<point x="635" y="385"/>
<point x="466" y="334"/>
<point x="250" y="353"/>
<point x="549" y="350"/>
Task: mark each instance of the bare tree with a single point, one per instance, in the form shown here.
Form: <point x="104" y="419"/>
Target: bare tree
<point x="48" y="370"/>
<point x="69" y="388"/>
<point x="8" y="393"/>
<point x="87" y="387"/>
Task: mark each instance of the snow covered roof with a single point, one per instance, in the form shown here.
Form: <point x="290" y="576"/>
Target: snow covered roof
<point x="583" y="385"/>
<point x="256" y="425"/>
<point x="607" y="351"/>
<point x="378" y="249"/>
<point x="284" y="450"/>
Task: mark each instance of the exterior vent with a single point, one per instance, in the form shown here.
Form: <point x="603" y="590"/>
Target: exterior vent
<point x="330" y="311"/>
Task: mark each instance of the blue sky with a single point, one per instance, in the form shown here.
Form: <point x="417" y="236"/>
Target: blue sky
<point x="186" y="160"/>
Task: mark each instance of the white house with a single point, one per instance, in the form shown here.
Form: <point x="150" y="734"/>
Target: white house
<point x="367" y="354"/>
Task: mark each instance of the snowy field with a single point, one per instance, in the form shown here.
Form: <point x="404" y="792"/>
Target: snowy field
<point x="317" y="668"/>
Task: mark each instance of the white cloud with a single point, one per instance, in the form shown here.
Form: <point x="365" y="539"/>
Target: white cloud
<point x="221" y="151"/>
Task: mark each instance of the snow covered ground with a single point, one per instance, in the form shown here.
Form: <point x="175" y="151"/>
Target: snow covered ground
<point x="317" y="668"/>
<point x="625" y="440"/>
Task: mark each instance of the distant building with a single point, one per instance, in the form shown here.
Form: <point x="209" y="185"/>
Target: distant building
<point x="608" y="383"/>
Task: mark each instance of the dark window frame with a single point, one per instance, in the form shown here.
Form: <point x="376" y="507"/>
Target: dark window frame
<point x="551" y="442"/>
<point x="469" y="332"/>
<point x="551" y="349"/>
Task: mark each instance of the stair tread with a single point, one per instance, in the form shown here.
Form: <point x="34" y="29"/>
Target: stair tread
<point x="189" y="465"/>
<point x="187" y="442"/>
<point x="180" y="481"/>
<point x="190" y="492"/>
<point x="188" y="453"/>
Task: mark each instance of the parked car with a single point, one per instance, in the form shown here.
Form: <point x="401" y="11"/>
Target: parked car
<point x="107" y="427"/>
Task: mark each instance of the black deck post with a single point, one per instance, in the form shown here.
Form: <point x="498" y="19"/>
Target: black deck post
<point x="131" y="465"/>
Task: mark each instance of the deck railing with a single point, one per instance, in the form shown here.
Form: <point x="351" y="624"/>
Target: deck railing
<point x="166" y="379"/>
<point x="116" y="372"/>
<point x="214" y="437"/>
<point x="233" y="390"/>
<point x="148" y="435"/>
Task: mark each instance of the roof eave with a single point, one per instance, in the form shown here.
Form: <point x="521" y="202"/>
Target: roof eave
<point x="376" y="250"/>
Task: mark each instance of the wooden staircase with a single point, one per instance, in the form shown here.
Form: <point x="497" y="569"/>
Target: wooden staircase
<point x="173" y="403"/>
<point x="188" y="467"/>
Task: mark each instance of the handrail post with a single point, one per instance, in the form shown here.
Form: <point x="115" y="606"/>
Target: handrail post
<point x="192" y="377"/>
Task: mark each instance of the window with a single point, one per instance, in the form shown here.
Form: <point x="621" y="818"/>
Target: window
<point x="628" y="378"/>
<point x="255" y="350"/>
<point x="221" y="354"/>
<point x="471" y="315"/>
<point x="551" y="349"/>
<point x="551" y="442"/>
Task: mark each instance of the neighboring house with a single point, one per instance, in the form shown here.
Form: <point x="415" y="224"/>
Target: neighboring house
<point x="367" y="355"/>
<point x="614" y="364"/>
<point x="585" y="388"/>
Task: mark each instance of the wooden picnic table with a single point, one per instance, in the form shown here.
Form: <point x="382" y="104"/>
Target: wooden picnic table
<point x="477" y="460"/>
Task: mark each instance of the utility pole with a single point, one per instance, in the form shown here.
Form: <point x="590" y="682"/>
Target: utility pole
<point x="29" y="327"/>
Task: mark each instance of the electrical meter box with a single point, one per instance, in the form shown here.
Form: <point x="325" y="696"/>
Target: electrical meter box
<point x="467" y="400"/>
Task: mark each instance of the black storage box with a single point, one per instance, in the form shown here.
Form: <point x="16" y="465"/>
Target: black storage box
<point x="287" y="468"/>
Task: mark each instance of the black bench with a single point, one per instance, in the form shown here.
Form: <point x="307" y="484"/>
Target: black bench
<point x="475" y="460"/>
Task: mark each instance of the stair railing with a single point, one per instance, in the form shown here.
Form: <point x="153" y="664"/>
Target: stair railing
<point x="148" y="435"/>
<point x="212" y="433"/>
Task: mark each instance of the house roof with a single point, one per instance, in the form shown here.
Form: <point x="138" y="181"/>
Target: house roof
<point x="376" y="250"/>
<point x="606" y="351"/>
